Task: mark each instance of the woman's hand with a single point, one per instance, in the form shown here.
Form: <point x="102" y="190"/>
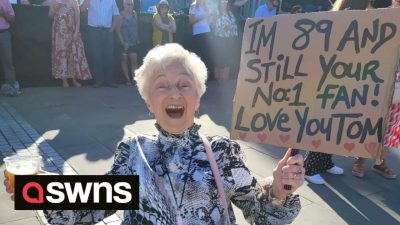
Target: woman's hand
<point x="289" y="171"/>
<point x="6" y="183"/>
<point x="171" y="28"/>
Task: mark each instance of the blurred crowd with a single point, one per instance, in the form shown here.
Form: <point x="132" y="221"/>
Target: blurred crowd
<point x="216" y="32"/>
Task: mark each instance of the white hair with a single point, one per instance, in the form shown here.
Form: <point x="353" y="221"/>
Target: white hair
<point x="125" y="1"/>
<point x="160" y="57"/>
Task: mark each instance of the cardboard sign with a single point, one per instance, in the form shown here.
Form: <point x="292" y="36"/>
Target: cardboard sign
<point x="318" y="81"/>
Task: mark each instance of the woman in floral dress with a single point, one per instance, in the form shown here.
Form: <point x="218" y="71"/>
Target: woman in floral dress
<point x="68" y="56"/>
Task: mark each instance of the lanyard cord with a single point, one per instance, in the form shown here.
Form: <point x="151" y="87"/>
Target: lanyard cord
<point x="169" y="178"/>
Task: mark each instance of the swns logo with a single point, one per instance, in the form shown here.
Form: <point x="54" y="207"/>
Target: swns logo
<point x="76" y="192"/>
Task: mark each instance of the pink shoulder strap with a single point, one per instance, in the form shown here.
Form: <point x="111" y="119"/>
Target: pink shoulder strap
<point x="217" y="177"/>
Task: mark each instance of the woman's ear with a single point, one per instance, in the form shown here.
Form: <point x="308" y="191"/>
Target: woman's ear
<point x="149" y="107"/>
<point x="198" y="105"/>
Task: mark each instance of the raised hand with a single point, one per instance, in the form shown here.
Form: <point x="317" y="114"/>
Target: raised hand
<point x="289" y="171"/>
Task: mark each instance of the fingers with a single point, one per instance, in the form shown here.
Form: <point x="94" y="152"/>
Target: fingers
<point x="7" y="185"/>
<point x="297" y="159"/>
<point x="297" y="169"/>
<point x="293" y="179"/>
<point x="287" y="155"/>
<point x="6" y="182"/>
<point x="295" y="183"/>
<point x="293" y="175"/>
<point x="285" y="158"/>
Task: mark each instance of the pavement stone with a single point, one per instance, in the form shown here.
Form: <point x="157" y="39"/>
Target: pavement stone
<point x="11" y="137"/>
<point x="83" y="141"/>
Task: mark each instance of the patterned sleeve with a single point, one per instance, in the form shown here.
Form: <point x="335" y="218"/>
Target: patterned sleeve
<point x="247" y="193"/>
<point x="80" y="217"/>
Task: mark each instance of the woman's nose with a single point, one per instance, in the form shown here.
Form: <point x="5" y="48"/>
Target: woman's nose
<point x="175" y="92"/>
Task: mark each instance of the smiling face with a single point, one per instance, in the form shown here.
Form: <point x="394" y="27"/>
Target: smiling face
<point x="174" y="98"/>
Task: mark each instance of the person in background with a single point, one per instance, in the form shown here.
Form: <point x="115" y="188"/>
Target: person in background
<point x="200" y="17"/>
<point x="103" y="17"/>
<point x="226" y="38"/>
<point x="68" y="55"/>
<point x="178" y="166"/>
<point x="7" y="17"/>
<point x="235" y="6"/>
<point x="267" y="10"/>
<point x="315" y="5"/>
<point x="127" y="31"/>
<point x="296" y="9"/>
<point x="317" y="162"/>
<point x="340" y="5"/>
<point x="392" y="132"/>
<point x="163" y="24"/>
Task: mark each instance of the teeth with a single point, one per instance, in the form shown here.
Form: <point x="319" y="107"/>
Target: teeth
<point x="174" y="107"/>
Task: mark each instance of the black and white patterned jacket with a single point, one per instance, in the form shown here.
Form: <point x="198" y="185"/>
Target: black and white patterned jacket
<point x="174" y="171"/>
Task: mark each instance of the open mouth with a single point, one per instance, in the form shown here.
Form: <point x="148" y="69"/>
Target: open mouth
<point x="175" y="111"/>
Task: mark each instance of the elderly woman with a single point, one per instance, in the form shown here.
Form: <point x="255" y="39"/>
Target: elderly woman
<point x="175" y="166"/>
<point x="163" y="24"/>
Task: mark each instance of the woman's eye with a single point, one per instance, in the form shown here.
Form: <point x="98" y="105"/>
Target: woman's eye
<point x="185" y="85"/>
<point x="162" y="86"/>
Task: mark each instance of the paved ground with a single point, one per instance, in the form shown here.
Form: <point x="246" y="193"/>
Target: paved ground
<point x="76" y="131"/>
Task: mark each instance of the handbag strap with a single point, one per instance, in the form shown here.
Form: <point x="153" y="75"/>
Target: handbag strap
<point x="217" y="177"/>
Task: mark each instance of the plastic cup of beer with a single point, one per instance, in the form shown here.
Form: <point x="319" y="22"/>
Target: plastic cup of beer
<point x="21" y="165"/>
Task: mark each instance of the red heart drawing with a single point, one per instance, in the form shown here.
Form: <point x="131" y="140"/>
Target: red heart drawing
<point x="349" y="146"/>
<point x="262" y="137"/>
<point x="242" y="136"/>
<point x="284" y="138"/>
<point x="371" y="148"/>
<point x="316" y="143"/>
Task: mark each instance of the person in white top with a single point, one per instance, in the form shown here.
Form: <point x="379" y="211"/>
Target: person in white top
<point x="200" y="18"/>
<point x="103" y="16"/>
